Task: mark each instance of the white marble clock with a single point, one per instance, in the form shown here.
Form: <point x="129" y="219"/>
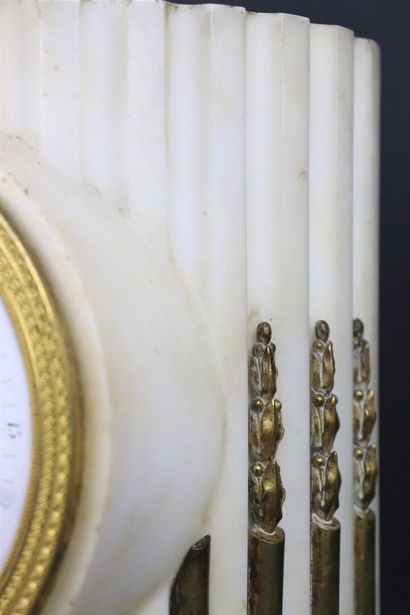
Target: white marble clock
<point x="171" y="176"/>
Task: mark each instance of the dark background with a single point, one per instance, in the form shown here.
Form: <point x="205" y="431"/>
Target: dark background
<point x="387" y="22"/>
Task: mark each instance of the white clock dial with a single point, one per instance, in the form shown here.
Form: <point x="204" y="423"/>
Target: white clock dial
<point x="15" y="435"/>
<point x="40" y="431"/>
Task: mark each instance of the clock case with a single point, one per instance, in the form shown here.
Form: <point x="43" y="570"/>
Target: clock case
<point x="152" y="431"/>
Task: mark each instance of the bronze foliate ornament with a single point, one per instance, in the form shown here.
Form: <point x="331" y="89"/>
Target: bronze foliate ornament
<point x="266" y="491"/>
<point x="325" y="477"/>
<point x="365" y="474"/>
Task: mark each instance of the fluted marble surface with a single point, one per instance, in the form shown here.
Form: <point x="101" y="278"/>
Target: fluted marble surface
<point x="277" y="123"/>
<point x="331" y="245"/>
<point x="190" y="126"/>
<point x="366" y="215"/>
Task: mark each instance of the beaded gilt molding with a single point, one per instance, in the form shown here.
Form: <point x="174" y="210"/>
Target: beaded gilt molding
<point x="56" y="418"/>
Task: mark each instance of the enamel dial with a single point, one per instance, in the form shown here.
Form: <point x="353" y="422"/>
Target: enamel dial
<point x="40" y="430"/>
<point x="15" y="435"/>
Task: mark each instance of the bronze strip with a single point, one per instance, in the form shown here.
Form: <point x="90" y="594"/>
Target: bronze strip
<point x="325" y="568"/>
<point x="365" y="474"/>
<point x="365" y="563"/>
<point x="266" y="492"/>
<point x="266" y="559"/>
<point x="325" y="477"/>
<point x="190" y="590"/>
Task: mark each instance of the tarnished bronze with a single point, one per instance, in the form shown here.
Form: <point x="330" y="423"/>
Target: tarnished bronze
<point x="190" y="590"/>
<point x="266" y="492"/>
<point x="322" y="361"/>
<point x="365" y="474"/>
<point x="266" y="495"/>
<point x="325" y="477"/>
<point x="365" y="563"/>
<point x="266" y="573"/>
<point x="326" y="483"/>
<point x="325" y="556"/>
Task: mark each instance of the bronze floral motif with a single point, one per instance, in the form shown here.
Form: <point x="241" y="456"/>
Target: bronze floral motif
<point x="365" y="474"/>
<point x="266" y="491"/>
<point x="325" y="477"/>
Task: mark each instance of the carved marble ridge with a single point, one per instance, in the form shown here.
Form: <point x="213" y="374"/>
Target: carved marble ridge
<point x="266" y="491"/>
<point x="325" y="475"/>
<point x="364" y="418"/>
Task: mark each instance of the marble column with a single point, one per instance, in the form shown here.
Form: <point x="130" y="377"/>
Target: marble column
<point x="366" y="215"/>
<point x="331" y="246"/>
<point x="277" y="132"/>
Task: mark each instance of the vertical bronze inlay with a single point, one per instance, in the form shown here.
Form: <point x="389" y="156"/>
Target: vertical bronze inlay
<point x="365" y="475"/>
<point x="266" y="492"/>
<point x="325" y="477"/>
<point x="190" y="590"/>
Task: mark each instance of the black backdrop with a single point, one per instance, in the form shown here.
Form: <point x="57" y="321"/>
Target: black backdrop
<point x="388" y="22"/>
